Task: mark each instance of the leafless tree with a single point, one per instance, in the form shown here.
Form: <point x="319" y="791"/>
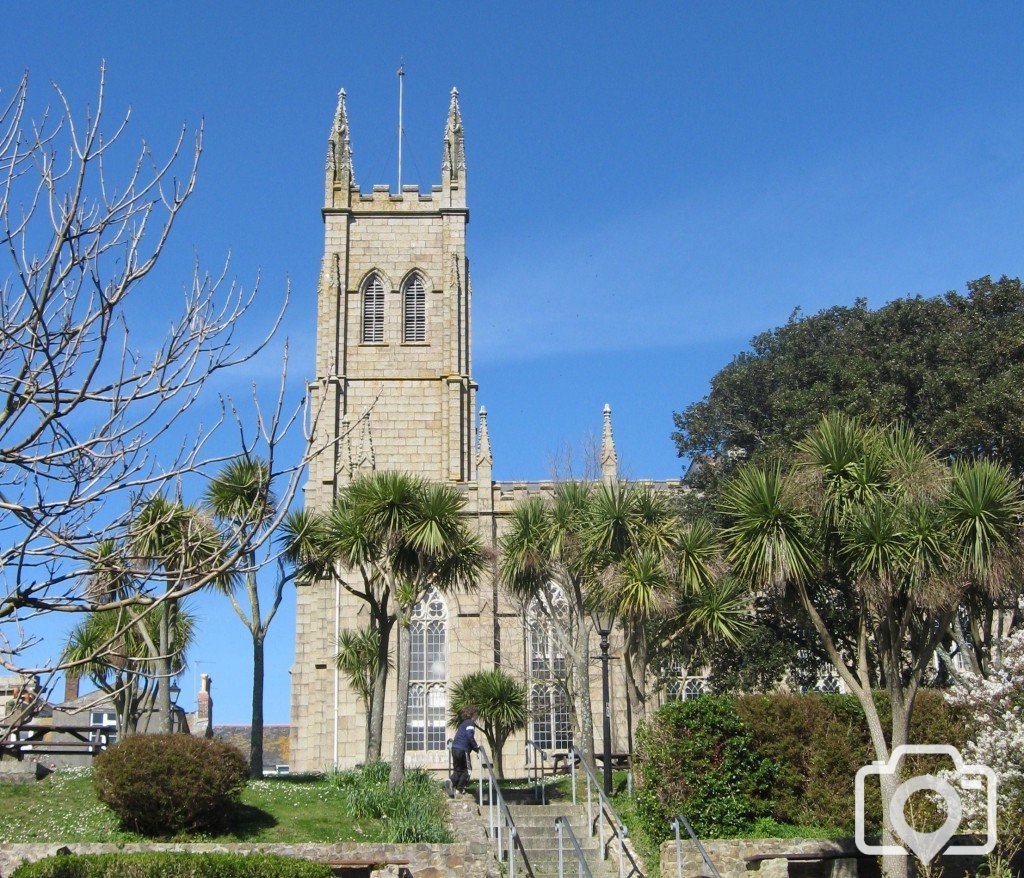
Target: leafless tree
<point x="97" y="414"/>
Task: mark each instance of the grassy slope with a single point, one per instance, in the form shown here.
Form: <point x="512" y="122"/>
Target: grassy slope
<point x="62" y="808"/>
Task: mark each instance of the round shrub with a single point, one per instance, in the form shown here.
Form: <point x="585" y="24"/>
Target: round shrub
<point x="166" y="784"/>
<point x="696" y="758"/>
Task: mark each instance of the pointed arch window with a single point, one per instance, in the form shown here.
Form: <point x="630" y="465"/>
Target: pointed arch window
<point x="549" y="705"/>
<point x="373" y="309"/>
<point x="414" y="301"/>
<point x="680" y="684"/>
<point x="428" y="674"/>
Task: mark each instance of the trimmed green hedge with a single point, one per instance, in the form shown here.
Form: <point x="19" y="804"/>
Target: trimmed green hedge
<point x="697" y="757"/>
<point x="728" y="761"/>
<point x="172" y="865"/>
<point x="820" y="741"/>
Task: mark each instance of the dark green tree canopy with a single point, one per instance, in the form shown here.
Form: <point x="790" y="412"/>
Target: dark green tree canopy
<point x="951" y="366"/>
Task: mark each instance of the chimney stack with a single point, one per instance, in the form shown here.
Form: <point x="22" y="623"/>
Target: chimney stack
<point x="204" y="709"/>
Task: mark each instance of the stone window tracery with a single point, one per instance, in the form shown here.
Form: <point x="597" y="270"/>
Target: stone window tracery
<point x="551" y="725"/>
<point x="428" y="674"/>
<point x="681" y="685"/>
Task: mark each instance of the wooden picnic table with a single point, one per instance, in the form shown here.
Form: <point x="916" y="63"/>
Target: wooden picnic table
<point x="561" y="762"/>
<point x="32" y="738"/>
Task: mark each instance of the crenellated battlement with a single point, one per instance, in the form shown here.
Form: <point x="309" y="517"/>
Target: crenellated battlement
<point x="381" y="199"/>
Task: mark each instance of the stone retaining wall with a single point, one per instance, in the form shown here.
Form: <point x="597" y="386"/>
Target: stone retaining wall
<point x="471" y="860"/>
<point x="729" y="855"/>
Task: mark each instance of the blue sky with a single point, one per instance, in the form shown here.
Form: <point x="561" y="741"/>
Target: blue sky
<point x="650" y="185"/>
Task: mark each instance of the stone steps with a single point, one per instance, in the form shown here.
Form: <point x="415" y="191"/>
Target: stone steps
<point x="535" y="825"/>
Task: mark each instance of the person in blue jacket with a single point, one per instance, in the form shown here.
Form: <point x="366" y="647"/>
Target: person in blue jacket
<point x="462" y="744"/>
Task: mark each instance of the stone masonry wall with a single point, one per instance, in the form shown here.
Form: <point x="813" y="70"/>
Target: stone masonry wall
<point x="729" y="856"/>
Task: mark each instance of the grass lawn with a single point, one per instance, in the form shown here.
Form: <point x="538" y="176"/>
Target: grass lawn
<point x="63" y="808"/>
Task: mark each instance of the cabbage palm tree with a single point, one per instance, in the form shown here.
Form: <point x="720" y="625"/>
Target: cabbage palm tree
<point x="900" y="535"/>
<point x="177" y="545"/>
<point x="982" y="499"/>
<point x="427" y="546"/>
<point x="242" y="500"/>
<point x="545" y="544"/>
<point x="659" y="572"/>
<point x="114" y="647"/>
<point x="357" y="658"/>
<point x="343" y="544"/>
<point x="502" y="703"/>
<point x="388" y="540"/>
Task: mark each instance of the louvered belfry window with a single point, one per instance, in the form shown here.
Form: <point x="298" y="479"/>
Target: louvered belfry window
<point x="415" y="309"/>
<point x="373" y="310"/>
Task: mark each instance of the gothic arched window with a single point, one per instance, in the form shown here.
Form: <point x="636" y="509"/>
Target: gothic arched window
<point x="373" y="309"/>
<point x="428" y="674"/>
<point x="549" y="706"/>
<point x="680" y="685"/>
<point x="414" y="305"/>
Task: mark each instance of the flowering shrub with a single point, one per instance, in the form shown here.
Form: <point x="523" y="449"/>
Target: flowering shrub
<point x="997" y="703"/>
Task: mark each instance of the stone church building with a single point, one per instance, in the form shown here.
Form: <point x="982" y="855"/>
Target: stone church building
<point x="394" y="379"/>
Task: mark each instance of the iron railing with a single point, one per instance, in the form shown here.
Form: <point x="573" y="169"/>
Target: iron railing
<point x="500" y="824"/>
<point x="680" y="820"/>
<point x="601" y="811"/>
<point x="563" y="829"/>
<point x="537" y="772"/>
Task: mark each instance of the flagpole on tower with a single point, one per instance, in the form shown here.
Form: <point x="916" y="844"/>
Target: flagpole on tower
<point x="401" y="81"/>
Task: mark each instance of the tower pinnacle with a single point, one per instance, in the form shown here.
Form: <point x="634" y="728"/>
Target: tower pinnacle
<point x="453" y="161"/>
<point x="609" y="459"/>
<point x="339" y="154"/>
<point x="483" y="455"/>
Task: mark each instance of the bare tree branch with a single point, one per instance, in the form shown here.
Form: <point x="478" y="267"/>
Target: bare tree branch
<point x="99" y="414"/>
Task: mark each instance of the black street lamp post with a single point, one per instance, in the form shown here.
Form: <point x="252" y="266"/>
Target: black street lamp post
<point x="604" y="620"/>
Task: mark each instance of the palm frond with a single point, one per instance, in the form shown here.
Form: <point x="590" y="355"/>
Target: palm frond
<point x="241" y="491"/>
<point x="767" y="537"/>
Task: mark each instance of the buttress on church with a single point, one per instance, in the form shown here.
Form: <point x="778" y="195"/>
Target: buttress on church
<point x="394" y="380"/>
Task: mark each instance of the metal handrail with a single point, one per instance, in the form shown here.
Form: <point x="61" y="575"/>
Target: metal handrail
<point x="606" y="810"/>
<point x="561" y="827"/>
<point x="533" y="748"/>
<point x="678" y="820"/>
<point x="498" y="813"/>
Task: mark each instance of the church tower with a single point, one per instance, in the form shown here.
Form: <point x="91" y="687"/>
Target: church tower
<point x="393" y="391"/>
<point x="393" y="323"/>
<point x="393" y="387"/>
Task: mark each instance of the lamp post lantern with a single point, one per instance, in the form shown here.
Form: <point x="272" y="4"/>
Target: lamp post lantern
<point x="604" y="620"/>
